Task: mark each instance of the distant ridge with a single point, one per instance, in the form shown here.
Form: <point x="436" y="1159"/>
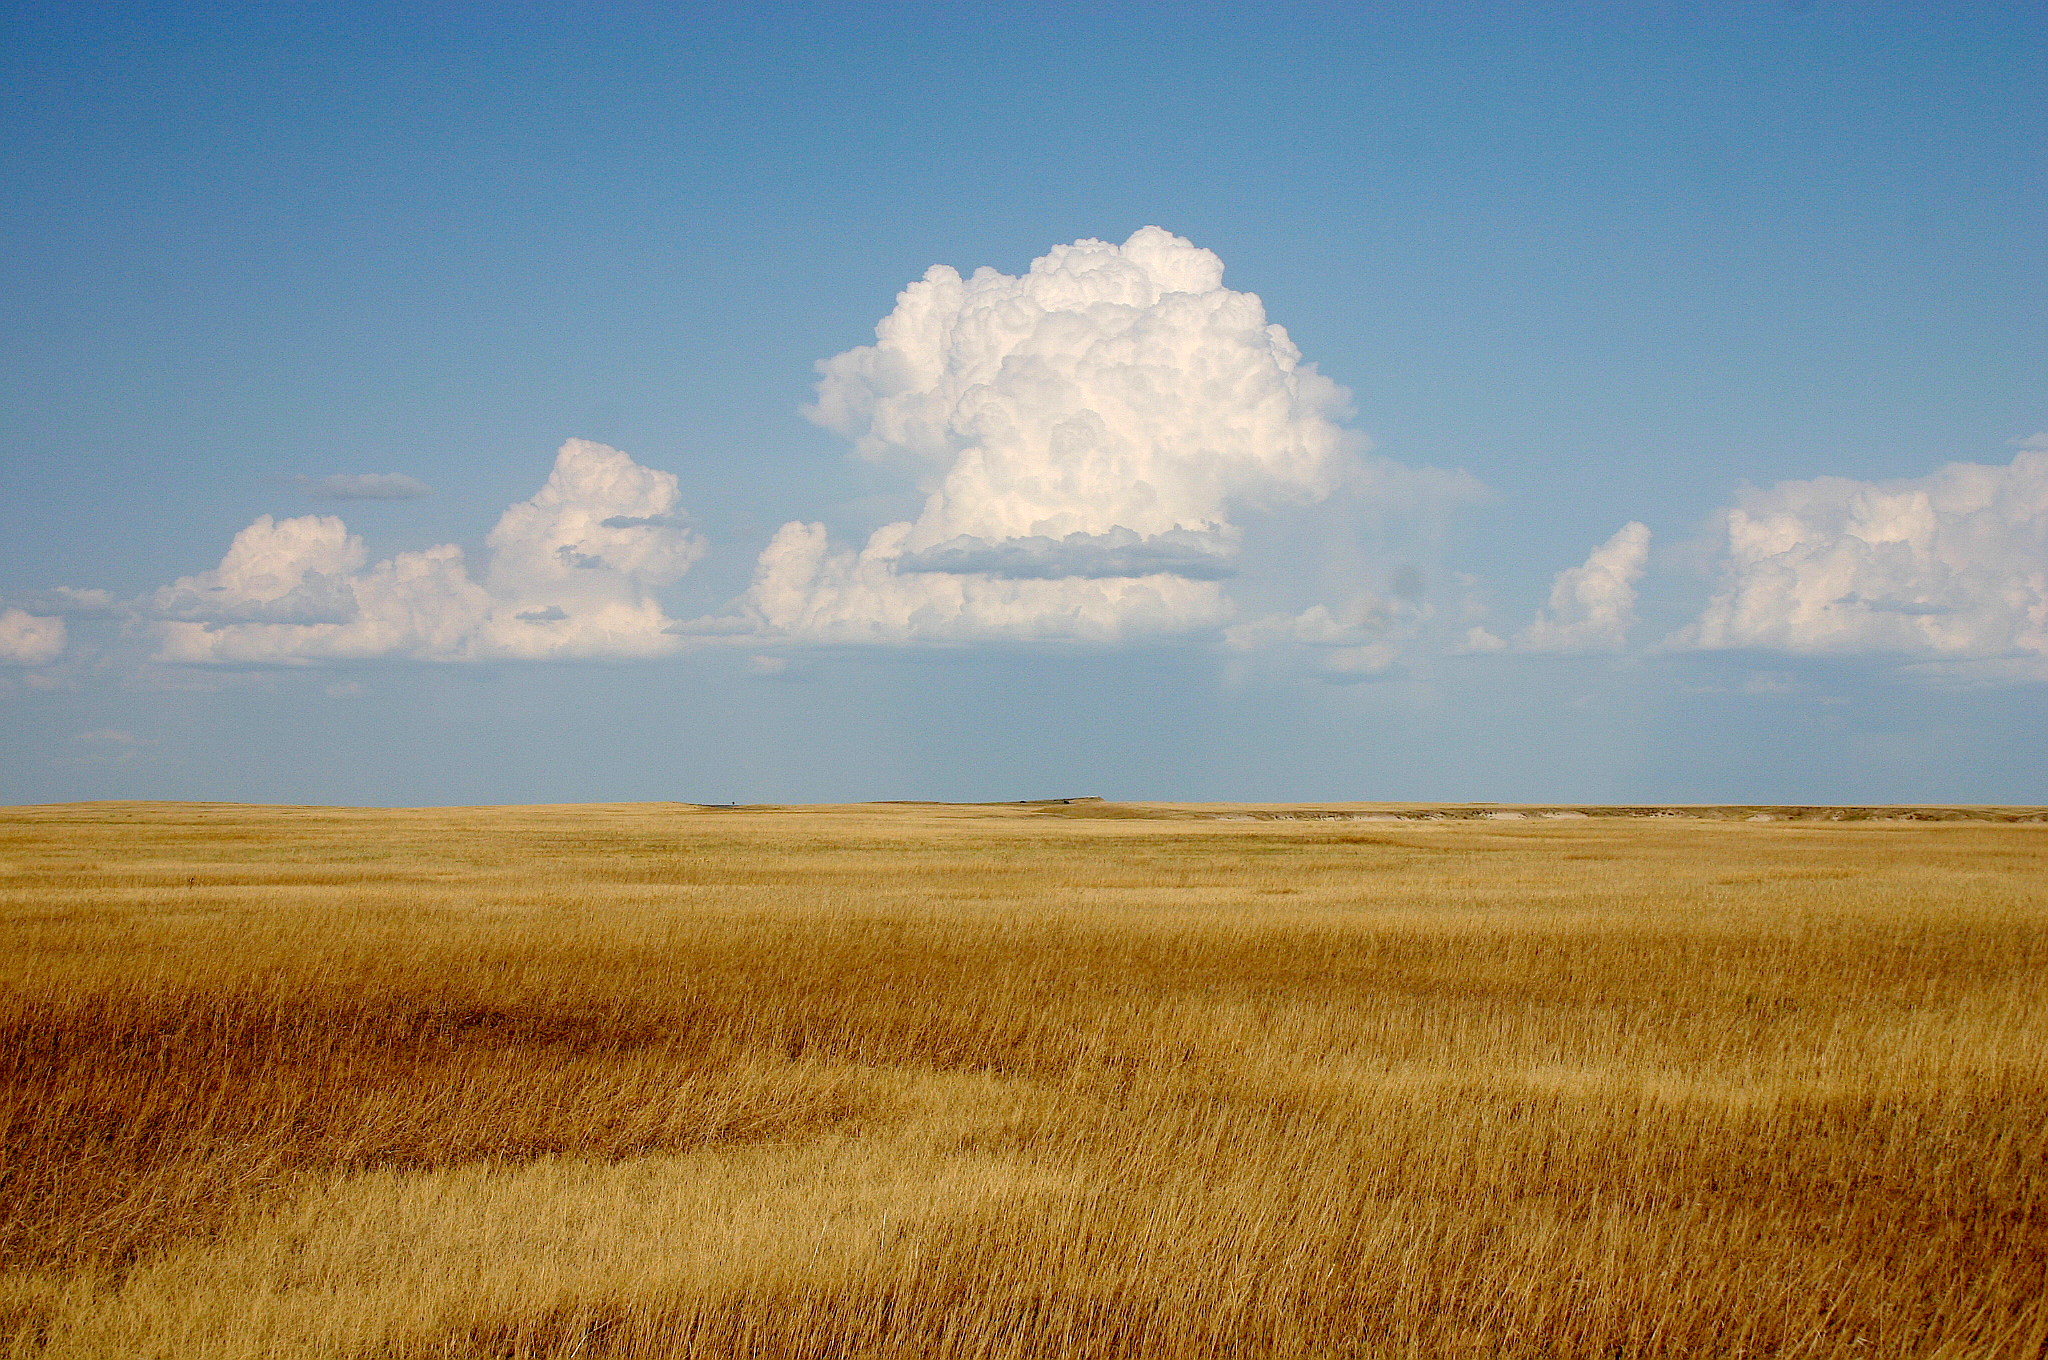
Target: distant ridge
<point x="1518" y="812"/>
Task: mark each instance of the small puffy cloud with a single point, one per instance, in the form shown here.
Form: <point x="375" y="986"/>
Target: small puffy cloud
<point x="365" y="486"/>
<point x="571" y="573"/>
<point x="1365" y="639"/>
<point x="106" y="746"/>
<point x="1591" y="607"/>
<point x="111" y="736"/>
<point x="1083" y="434"/>
<point x="1950" y="567"/>
<point x="1478" y="640"/>
<point x="1367" y="619"/>
<point x="30" y="639"/>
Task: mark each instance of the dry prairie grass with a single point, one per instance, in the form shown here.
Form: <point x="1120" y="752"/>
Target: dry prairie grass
<point x="1005" y="1082"/>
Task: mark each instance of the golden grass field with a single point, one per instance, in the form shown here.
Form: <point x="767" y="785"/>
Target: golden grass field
<point x="1085" y="1080"/>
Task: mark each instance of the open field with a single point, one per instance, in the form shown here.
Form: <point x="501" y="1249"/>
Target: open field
<point x="1048" y="1080"/>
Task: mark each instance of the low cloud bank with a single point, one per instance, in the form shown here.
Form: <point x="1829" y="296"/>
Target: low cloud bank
<point x="805" y="591"/>
<point x="571" y="573"/>
<point x="1114" y="449"/>
<point x="1949" y="568"/>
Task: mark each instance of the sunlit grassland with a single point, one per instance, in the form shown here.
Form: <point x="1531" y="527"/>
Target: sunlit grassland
<point x="1016" y="1081"/>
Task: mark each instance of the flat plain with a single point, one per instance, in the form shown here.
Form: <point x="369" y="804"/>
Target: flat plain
<point x="1064" y="1079"/>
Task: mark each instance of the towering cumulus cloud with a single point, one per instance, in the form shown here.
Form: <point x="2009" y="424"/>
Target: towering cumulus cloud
<point x="1592" y="607"/>
<point x="1082" y="434"/>
<point x="1948" y="567"/>
<point x="572" y="573"/>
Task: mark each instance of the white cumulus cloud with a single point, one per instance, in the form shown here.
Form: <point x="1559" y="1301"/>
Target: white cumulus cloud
<point x="1082" y="435"/>
<point x="804" y="590"/>
<point x="1591" y="607"/>
<point x="29" y="639"/>
<point x="1952" y="566"/>
<point x="571" y="573"/>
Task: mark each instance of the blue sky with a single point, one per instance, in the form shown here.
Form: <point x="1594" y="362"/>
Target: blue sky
<point x="1766" y="280"/>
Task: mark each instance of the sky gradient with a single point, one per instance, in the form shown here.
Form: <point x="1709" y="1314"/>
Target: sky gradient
<point x="405" y="405"/>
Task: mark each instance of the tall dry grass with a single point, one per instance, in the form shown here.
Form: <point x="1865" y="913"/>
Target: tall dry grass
<point x="868" y="1082"/>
